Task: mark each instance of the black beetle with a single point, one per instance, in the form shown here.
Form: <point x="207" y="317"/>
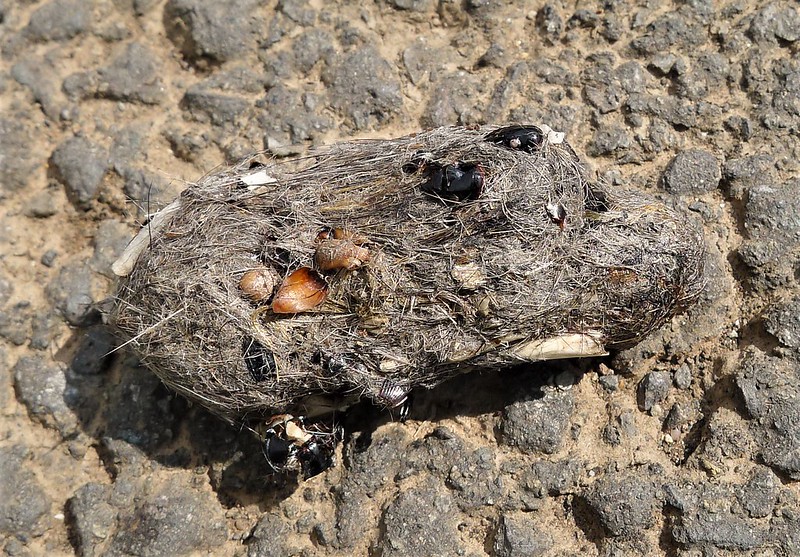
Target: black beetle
<point x="528" y="139"/>
<point x="459" y="181"/>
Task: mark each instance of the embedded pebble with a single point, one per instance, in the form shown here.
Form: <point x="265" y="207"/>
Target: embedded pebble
<point x="41" y="385"/>
<point x="653" y="389"/>
<point x="81" y="165"/>
<point x="625" y="503"/>
<point x="59" y="20"/>
<point x="692" y="172"/>
<point x="520" y="536"/>
<point x="23" y="500"/>
<point x="538" y="425"/>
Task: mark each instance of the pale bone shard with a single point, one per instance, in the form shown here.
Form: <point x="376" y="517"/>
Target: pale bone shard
<point x="573" y="345"/>
<point x="123" y="266"/>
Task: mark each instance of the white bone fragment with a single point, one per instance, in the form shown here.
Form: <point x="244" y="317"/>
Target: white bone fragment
<point x="123" y="266"/>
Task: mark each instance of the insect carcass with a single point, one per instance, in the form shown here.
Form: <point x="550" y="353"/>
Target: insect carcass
<point x="395" y="264"/>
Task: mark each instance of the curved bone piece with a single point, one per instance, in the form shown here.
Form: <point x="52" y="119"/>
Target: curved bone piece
<point x="570" y="345"/>
<point x="123" y="266"/>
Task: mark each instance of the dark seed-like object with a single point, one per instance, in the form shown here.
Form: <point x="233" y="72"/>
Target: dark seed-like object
<point x="459" y="182"/>
<point x="528" y="139"/>
<point x="260" y="362"/>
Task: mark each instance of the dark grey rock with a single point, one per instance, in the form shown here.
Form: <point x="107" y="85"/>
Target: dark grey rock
<point x="23" y="501"/>
<point x="311" y="47"/>
<point x="91" y="518"/>
<point x="722" y="530"/>
<point x="682" y="415"/>
<point x="670" y="32"/>
<point x="48" y="258"/>
<point x="146" y="187"/>
<point x="292" y="115"/>
<point x="133" y="76"/>
<point x="42" y="205"/>
<point x="609" y="140"/>
<point x="683" y="377"/>
<point x="6" y="288"/>
<point x="41" y="386"/>
<point x="80" y="166"/>
<point x="39" y="77"/>
<point x="549" y="23"/>
<point x="298" y="11"/>
<point x="494" y="57"/>
<point x="625" y="503"/>
<point x="475" y="480"/>
<point x="692" y="172"/>
<point x="759" y="494"/>
<point x="220" y="109"/>
<point x="555" y="478"/>
<point x="364" y="88"/>
<point x="188" y="146"/>
<point x="783" y="322"/>
<point x="172" y="522"/>
<point x="772" y="226"/>
<point x="741" y="174"/>
<point x="420" y="521"/>
<point x="769" y="388"/>
<point x="45" y="327"/>
<point x="775" y="21"/>
<point x="19" y="160"/>
<point x="71" y="293"/>
<point x="708" y="75"/>
<point x="110" y="241"/>
<point x="519" y="535"/>
<point x="15" y="323"/>
<point x="91" y="358"/>
<point x="354" y="517"/>
<point x="632" y="77"/>
<point x="538" y="425"/>
<point x="211" y="31"/>
<point x="59" y="20"/>
<point x="653" y="389"/>
<point x="609" y="382"/>
<point x="421" y="6"/>
<point x="272" y="537"/>
<point x="453" y="101"/>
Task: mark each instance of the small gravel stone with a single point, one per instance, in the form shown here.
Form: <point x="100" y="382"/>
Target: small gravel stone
<point x="364" y="88"/>
<point x="211" y="30"/>
<point x="609" y="140"/>
<point x="538" y="425"/>
<point x="783" y="322"/>
<point x="609" y="382"/>
<point x="91" y="518"/>
<point x="625" y="503"/>
<point x="272" y="537"/>
<point x="520" y="536"/>
<point x="42" y="205"/>
<point x="15" y="323"/>
<point x="133" y="76"/>
<point x="217" y="108"/>
<point x="420" y="521"/>
<point x="759" y="494"/>
<point x="172" y="522"/>
<point x="692" y="172"/>
<point x="71" y="293"/>
<point x="683" y="414"/>
<point x="59" y="20"/>
<point x="45" y="327"/>
<point x="741" y="174"/>
<point x="48" y="258"/>
<point x="19" y="161"/>
<point x="23" y="501"/>
<point x="683" y="377"/>
<point x="769" y="388"/>
<point x="41" y="386"/>
<point x="653" y="389"/>
<point x="453" y="102"/>
<point x="38" y="76"/>
<point x="80" y="166"/>
<point x="311" y="47"/>
<point x="776" y="22"/>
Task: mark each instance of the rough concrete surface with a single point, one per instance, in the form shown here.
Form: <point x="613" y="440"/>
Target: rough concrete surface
<point x="686" y="444"/>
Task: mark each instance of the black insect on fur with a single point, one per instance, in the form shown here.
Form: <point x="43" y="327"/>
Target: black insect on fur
<point x="260" y="362"/>
<point x="454" y="182"/>
<point x="528" y="139"/>
<point x="289" y="445"/>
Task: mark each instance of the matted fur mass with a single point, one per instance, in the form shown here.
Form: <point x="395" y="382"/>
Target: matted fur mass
<point x="450" y="286"/>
